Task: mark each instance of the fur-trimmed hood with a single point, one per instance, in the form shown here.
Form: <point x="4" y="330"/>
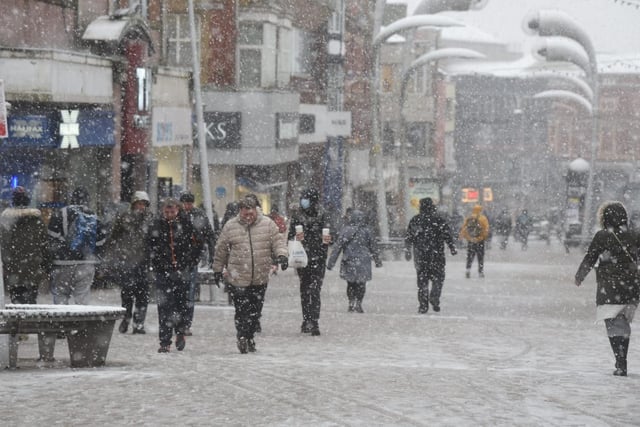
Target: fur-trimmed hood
<point x="612" y="214"/>
<point x="10" y="215"/>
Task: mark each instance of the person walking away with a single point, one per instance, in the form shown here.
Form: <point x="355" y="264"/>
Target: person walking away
<point x="523" y="228"/>
<point x="475" y="230"/>
<point x="246" y="247"/>
<point x="75" y="236"/>
<point x="358" y="246"/>
<point x="26" y="261"/>
<point x="427" y="233"/>
<point x="615" y="249"/>
<point x="313" y="219"/>
<point x="204" y="235"/>
<point x="503" y="227"/>
<point x="278" y="219"/>
<point x="126" y="253"/>
<point x="171" y="252"/>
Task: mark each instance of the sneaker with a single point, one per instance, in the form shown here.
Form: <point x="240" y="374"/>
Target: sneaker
<point x="243" y="345"/>
<point x="124" y="326"/>
<point x="436" y="307"/>
<point x="138" y="330"/>
<point x="251" y="346"/>
<point x="180" y="342"/>
<point x="164" y="349"/>
<point x="188" y="332"/>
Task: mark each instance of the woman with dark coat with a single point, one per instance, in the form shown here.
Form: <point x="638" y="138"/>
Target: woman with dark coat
<point x="615" y="249"/>
<point x="358" y="246"/>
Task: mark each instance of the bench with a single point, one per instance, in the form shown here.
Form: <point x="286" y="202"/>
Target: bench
<point x="87" y="328"/>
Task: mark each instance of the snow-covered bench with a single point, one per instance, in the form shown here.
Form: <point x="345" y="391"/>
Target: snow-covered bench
<point x="88" y="330"/>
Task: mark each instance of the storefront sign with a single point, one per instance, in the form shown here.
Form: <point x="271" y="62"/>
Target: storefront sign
<point x="96" y="128"/>
<point x="69" y="129"/>
<point x="222" y="130"/>
<point x="30" y="131"/>
<point x="339" y="123"/>
<point x="171" y="126"/>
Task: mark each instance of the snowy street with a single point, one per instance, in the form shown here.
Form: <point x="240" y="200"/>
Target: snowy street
<point x="519" y="347"/>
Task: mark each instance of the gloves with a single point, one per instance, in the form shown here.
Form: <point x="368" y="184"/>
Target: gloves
<point x="217" y="278"/>
<point x="378" y="264"/>
<point x="454" y="251"/>
<point x="407" y="254"/>
<point x="284" y="262"/>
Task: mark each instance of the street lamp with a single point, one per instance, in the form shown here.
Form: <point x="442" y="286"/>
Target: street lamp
<point x="397" y="26"/>
<point x="554" y="25"/>
<point x="435" y="55"/>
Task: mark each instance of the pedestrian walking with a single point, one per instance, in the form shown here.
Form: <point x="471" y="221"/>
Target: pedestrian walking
<point x="615" y="249"/>
<point x="247" y="247"/>
<point x="475" y="230"/>
<point x="125" y="252"/>
<point x="26" y="261"/>
<point x="427" y="234"/>
<point x="230" y="212"/>
<point x="171" y="253"/>
<point x="278" y="219"/>
<point x="76" y="235"/>
<point x="358" y="246"/>
<point x="312" y="218"/>
<point x="503" y="227"/>
<point x="523" y="227"/>
<point x="205" y="235"/>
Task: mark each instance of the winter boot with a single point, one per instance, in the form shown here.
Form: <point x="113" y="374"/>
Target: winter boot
<point x="315" y="329"/>
<point x="243" y="345"/>
<point x="352" y="305"/>
<point x="139" y="317"/>
<point x="620" y="346"/>
<point x="358" y="306"/>
<point x="251" y="346"/>
<point x="467" y="274"/>
<point x="124" y="325"/>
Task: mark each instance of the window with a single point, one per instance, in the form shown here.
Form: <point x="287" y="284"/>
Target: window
<point x="178" y="40"/>
<point x="250" y="43"/>
<point x="417" y="81"/>
<point x="302" y="56"/>
<point x="284" y="56"/>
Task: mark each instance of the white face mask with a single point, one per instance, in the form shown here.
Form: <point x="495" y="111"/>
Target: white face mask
<point x="305" y="203"/>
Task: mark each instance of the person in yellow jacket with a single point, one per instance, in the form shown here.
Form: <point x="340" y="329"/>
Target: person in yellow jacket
<point x="475" y="230"/>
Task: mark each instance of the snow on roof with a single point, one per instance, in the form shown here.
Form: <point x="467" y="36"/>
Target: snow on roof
<point x="468" y="34"/>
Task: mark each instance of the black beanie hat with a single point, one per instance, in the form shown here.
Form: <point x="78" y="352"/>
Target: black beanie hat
<point x="20" y="197"/>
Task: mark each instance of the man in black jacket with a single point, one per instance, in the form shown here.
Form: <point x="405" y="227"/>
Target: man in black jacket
<point x="312" y="219"/>
<point x="427" y="233"/>
<point x="170" y="243"/>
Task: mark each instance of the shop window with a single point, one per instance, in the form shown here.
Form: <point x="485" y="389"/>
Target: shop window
<point x="302" y="57"/>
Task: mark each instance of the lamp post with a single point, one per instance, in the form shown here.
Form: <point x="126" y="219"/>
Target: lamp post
<point x="379" y="38"/>
<point x="435" y="55"/>
<point x="558" y="30"/>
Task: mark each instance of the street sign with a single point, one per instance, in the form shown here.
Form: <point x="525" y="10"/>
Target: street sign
<point x="69" y="129"/>
<point x="4" y="128"/>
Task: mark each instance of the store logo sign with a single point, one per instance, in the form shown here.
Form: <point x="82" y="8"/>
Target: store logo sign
<point x="69" y="129"/>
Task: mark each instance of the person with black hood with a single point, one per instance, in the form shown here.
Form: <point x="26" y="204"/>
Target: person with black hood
<point x="358" y="245"/>
<point x="26" y="261"/>
<point x="313" y="219"/>
<point x="76" y="235"/>
<point x="615" y="249"/>
<point x="427" y="234"/>
<point x="171" y="254"/>
<point x="125" y="252"/>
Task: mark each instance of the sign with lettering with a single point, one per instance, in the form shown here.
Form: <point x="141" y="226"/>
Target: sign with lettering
<point x="339" y="123"/>
<point x="69" y="129"/>
<point x="171" y="126"/>
<point x="222" y="130"/>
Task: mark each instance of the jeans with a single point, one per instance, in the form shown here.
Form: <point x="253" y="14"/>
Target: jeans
<point x="72" y="280"/>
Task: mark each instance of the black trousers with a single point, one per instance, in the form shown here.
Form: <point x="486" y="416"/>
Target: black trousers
<point x="426" y="273"/>
<point x="311" y="278"/>
<point x="475" y="250"/>
<point x="134" y="292"/>
<point x="248" y="302"/>
<point x="356" y="290"/>
<point x="172" y="293"/>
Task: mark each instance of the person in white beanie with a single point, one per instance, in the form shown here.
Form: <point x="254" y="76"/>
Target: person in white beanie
<point x="126" y="249"/>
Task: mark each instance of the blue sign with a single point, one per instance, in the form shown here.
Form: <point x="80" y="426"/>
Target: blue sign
<point x="31" y="130"/>
<point x="96" y="128"/>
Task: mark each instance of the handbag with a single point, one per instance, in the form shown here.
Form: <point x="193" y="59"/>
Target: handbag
<point x="297" y="255"/>
<point x="632" y="267"/>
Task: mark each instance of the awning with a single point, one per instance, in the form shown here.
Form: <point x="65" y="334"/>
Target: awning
<point x="106" y="33"/>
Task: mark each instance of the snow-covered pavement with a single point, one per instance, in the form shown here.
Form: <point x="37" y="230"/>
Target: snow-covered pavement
<point x="519" y="347"/>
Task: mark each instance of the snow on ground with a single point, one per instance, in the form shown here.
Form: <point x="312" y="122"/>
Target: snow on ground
<point x="519" y="347"/>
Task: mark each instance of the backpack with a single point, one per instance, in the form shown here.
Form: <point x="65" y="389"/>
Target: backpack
<point x="474" y="229"/>
<point x="81" y="233"/>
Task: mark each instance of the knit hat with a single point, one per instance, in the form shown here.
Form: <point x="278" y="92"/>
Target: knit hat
<point x="187" y="197"/>
<point x="140" y="196"/>
<point x="79" y="196"/>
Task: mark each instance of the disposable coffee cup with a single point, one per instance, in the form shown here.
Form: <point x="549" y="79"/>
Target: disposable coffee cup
<point x="298" y="229"/>
<point x="325" y="232"/>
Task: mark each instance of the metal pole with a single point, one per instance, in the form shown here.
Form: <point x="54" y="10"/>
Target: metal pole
<point x="204" y="162"/>
<point x="383" y="221"/>
<point x="595" y="130"/>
